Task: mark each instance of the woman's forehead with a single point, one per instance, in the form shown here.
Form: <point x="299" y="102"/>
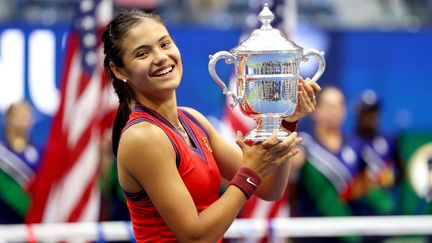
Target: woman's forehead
<point x="147" y="29"/>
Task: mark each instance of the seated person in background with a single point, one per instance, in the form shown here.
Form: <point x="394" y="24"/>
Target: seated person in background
<point x="381" y="161"/>
<point x="329" y="179"/>
<point x="19" y="160"/>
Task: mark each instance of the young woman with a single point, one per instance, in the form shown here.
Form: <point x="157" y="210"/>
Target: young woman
<point x="171" y="159"/>
<point x="330" y="178"/>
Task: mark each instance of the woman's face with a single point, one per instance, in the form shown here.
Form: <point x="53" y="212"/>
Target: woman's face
<point x="330" y="111"/>
<point x="20" y="119"/>
<point x="152" y="62"/>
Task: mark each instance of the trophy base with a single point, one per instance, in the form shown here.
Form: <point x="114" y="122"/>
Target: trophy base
<point x="259" y="135"/>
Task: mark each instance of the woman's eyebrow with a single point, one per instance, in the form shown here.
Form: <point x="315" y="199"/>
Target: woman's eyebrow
<point x="148" y="46"/>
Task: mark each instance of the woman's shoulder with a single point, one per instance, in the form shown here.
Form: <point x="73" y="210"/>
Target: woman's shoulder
<point x="143" y="147"/>
<point x="192" y="111"/>
<point x="143" y="134"/>
<point x="144" y="142"/>
<point x="196" y="114"/>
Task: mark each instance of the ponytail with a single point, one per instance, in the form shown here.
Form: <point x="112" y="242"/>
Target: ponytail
<point x="123" y="111"/>
<point x="120" y="121"/>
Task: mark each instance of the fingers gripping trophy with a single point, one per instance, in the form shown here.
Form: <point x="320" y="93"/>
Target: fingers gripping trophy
<point x="267" y="72"/>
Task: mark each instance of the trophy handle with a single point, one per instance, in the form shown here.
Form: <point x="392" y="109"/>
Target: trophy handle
<point x="321" y="61"/>
<point x="229" y="59"/>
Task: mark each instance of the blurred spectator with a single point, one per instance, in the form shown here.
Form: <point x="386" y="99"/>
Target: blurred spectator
<point x="383" y="169"/>
<point x="19" y="160"/>
<point x="329" y="177"/>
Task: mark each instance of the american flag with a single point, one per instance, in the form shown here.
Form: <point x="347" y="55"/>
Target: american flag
<point x="234" y="120"/>
<point x="65" y="189"/>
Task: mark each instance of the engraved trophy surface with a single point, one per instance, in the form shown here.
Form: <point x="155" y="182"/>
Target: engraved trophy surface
<point x="267" y="72"/>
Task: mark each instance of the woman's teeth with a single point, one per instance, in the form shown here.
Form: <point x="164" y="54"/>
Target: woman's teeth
<point x="163" y="72"/>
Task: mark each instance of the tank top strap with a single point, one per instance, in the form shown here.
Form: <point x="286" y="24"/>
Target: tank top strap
<point x="185" y="114"/>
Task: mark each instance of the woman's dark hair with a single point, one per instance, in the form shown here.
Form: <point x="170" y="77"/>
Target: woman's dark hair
<point x="112" y="38"/>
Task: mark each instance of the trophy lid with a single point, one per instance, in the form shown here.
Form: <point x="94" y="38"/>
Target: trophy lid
<point x="266" y="39"/>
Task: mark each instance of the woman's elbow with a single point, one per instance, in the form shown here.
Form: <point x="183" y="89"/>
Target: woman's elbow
<point x="204" y="239"/>
<point x="271" y="195"/>
<point x="196" y="235"/>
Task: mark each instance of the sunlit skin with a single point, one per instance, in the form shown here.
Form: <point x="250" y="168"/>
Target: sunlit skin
<point x="146" y="158"/>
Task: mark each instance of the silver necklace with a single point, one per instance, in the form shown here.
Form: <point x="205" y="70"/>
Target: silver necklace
<point x="183" y="132"/>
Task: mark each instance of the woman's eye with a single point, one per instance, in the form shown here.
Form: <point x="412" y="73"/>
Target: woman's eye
<point x="166" y="44"/>
<point x="142" y="53"/>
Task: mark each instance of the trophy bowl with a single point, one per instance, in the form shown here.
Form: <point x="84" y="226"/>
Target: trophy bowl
<point x="267" y="73"/>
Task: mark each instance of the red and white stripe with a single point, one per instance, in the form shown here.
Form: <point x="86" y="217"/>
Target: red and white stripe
<point x="65" y="189"/>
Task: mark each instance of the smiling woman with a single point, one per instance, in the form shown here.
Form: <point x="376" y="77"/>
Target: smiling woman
<point x="153" y="61"/>
<point x="171" y="159"/>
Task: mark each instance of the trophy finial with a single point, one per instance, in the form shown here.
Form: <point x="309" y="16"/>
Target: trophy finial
<point x="266" y="17"/>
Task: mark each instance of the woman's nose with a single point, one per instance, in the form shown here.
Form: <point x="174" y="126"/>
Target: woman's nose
<point x="160" y="57"/>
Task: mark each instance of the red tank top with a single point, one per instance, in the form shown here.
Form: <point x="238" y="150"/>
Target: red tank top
<point x="197" y="168"/>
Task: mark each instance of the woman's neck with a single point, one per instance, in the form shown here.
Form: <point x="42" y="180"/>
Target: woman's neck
<point x="167" y="108"/>
<point x="331" y="138"/>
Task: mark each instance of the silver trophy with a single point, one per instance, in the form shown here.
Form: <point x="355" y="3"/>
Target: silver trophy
<point x="267" y="72"/>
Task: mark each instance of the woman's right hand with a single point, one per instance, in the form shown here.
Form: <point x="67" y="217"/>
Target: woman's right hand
<point x="264" y="157"/>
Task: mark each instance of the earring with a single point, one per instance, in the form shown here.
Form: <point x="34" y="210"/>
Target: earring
<point x="124" y="80"/>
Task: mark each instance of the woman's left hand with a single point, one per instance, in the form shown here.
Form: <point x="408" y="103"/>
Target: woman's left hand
<point x="306" y="102"/>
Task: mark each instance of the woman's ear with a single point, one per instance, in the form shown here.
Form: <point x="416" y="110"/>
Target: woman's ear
<point x="118" y="72"/>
